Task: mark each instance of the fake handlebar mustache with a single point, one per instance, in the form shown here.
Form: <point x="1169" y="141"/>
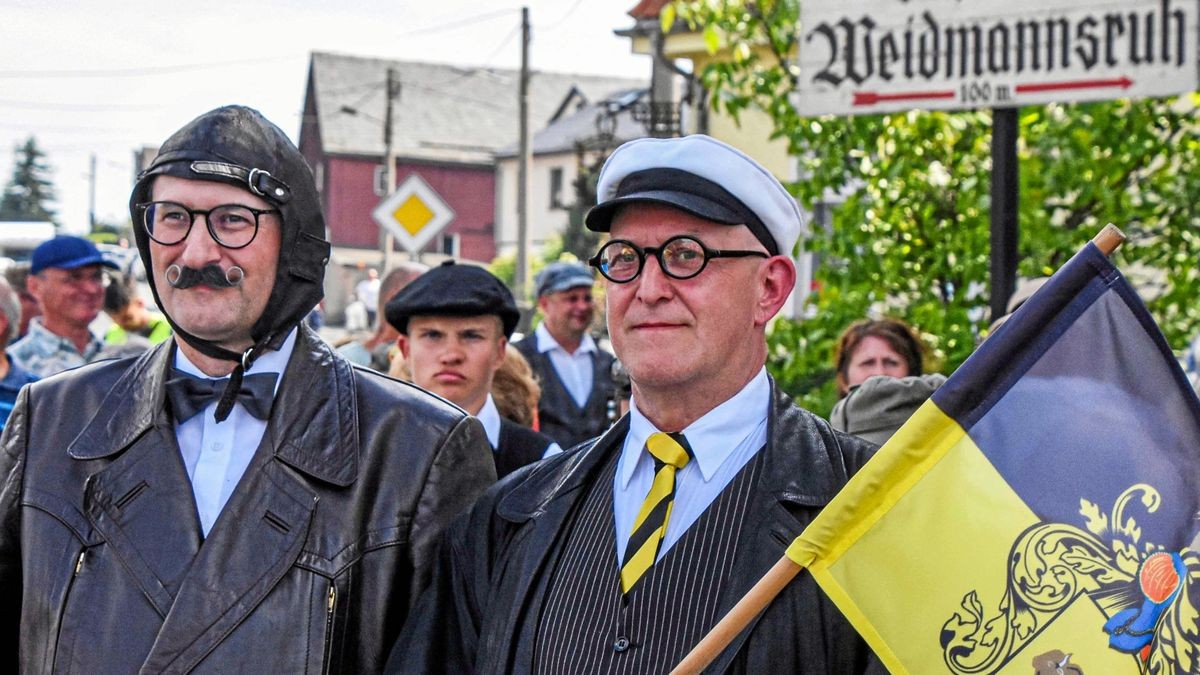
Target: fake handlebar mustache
<point x="209" y="275"/>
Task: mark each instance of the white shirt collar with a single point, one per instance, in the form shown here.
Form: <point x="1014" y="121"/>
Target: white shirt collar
<point x="712" y="436"/>
<point x="274" y="361"/>
<point x="547" y="343"/>
<point x="489" y="415"/>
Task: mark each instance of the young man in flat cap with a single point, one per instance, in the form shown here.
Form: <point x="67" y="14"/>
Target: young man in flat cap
<point x="239" y="498"/>
<point x="620" y="556"/>
<point x="575" y="374"/>
<point x="454" y="323"/>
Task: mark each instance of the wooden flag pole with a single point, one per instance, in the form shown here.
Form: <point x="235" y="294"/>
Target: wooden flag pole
<point x="786" y="569"/>
<point x="1109" y="239"/>
<point x="738" y="617"/>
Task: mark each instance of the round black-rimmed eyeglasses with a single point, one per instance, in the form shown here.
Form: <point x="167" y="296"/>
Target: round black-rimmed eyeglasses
<point x="231" y="225"/>
<point x="680" y="257"/>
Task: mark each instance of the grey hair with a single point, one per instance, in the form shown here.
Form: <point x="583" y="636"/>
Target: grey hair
<point x="11" y="306"/>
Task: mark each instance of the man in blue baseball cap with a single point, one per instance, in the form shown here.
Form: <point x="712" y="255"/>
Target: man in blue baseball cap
<point x="67" y="278"/>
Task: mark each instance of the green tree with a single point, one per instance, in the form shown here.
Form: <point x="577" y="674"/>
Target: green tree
<point x="30" y="191"/>
<point x="910" y="236"/>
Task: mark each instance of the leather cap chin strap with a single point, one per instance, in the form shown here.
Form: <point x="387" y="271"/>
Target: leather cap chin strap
<point x="243" y="360"/>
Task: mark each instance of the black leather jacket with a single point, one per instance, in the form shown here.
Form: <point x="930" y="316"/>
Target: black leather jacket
<point x="311" y="567"/>
<point x="480" y="613"/>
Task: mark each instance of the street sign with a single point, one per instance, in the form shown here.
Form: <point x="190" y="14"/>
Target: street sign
<point x="414" y="213"/>
<point x="876" y="56"/>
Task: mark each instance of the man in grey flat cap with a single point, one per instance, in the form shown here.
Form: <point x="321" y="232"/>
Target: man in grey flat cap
<point x="575" y="374"/>
<point x="620" y="556"/>
<point x="238" y="498"/>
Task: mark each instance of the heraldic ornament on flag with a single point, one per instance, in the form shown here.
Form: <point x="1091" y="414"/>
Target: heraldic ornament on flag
<point x="1140" y="585"/>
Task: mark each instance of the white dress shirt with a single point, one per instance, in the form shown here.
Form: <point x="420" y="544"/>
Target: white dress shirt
<point x="216" y="455"/>
<point x="489" y="416"/>
<point x="575" y="370"/>
<point x="723" y="440"/>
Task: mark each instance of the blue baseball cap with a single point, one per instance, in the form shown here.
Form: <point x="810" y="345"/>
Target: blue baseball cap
<point x="66" y="253"/>
<point x="562" y="276"/>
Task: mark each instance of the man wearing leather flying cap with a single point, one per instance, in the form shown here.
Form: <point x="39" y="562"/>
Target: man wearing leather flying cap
<point x="239" y="498"/>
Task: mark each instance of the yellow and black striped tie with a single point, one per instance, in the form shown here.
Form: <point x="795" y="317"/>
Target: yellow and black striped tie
<point x="670" y="452"/>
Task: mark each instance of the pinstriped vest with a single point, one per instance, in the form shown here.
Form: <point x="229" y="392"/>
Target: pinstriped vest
<point x="586" y="626"/>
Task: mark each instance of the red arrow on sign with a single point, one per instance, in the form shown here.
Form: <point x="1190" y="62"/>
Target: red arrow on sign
<point x="1123" y="82"/>
<point x="871" y="97"/>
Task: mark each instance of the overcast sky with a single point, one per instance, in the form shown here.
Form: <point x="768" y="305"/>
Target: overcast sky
<point x="108" y="77"/>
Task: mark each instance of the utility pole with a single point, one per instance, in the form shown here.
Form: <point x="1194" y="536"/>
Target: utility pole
<point x="92" y="195"/>
<point x="386" y="240"/>
<point x="524" y="163"/>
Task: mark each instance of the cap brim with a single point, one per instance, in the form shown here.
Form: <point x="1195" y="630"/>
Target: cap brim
<point x="85" y="261"/>
<point x="599" y="217"/>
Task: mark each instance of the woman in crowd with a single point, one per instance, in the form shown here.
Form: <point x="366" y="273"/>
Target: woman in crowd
<point x="876" y="347"/>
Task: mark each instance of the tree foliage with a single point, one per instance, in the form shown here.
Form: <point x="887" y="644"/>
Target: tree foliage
<point x="908" y="234"/>
<point x="30" y="192"/>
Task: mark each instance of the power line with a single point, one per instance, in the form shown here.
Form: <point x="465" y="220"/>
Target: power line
<point x="563" y="18"/>
<point x="139" y="72"/>
<point x="480" y="18"/>
<point x="77" y="107"/>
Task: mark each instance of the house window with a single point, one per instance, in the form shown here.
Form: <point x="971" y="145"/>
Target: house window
<point x="556" y="188"/>
<point x="451" y="245"/>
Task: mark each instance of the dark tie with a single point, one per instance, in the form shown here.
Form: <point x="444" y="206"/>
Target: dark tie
<point x="187" y="394"/>
<point x="670" y="452"/>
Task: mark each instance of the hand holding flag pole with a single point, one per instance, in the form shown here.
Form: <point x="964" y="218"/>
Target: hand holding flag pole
<point x="798" y="556"/>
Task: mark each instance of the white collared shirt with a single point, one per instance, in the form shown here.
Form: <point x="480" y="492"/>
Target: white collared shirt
<point x="575" y="370"/>
<point x="723" y="440"/>
<point x="216" y="455"/>
<point x="489" y="416"/>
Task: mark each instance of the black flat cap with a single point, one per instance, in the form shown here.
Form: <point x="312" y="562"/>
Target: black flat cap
<point x="453" y="290"/>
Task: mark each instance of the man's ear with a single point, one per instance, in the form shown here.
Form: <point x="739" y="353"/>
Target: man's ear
<point x="776" y="279"/>
<point x="402" y="344"/>
<point x="33" y="284"/>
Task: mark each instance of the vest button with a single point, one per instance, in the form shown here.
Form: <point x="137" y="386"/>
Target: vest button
<point x="621" y="644"/>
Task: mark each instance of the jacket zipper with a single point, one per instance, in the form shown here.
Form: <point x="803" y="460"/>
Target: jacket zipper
<point x="62" y="610"/>
<point x="330" y="603"/>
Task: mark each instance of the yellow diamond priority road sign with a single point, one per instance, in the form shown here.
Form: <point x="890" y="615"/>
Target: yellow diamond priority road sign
<point x="414" y="213"/>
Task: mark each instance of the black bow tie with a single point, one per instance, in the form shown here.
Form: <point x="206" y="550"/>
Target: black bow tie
<point x="187" y="394"/>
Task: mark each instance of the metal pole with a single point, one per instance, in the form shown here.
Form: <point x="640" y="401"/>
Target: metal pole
<point x="386" y="240"/>
<point x="524" y="163"/>
<point x="92" y="195"/>
<point x="1005" y="231"/>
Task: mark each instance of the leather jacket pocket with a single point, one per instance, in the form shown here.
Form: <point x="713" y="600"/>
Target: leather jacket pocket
<point x="328" y="618"/>
<point x="79" y="559"/>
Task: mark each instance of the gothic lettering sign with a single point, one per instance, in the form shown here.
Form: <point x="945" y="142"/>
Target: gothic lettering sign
<point x="876" y="56"/>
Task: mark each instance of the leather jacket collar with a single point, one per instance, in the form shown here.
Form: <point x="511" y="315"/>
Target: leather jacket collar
<point x="316" y="433"/>
<point x="806" y="479"/>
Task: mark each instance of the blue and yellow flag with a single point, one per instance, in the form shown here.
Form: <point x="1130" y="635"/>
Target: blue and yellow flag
<point x="1040" y="514"/>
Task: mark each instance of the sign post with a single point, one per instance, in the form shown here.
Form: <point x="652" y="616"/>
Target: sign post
<point x="414" y="213"/>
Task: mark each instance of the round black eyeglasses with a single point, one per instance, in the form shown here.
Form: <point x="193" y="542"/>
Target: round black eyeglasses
<point x="680" y="257"/>
<point x="231" y="225"/>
